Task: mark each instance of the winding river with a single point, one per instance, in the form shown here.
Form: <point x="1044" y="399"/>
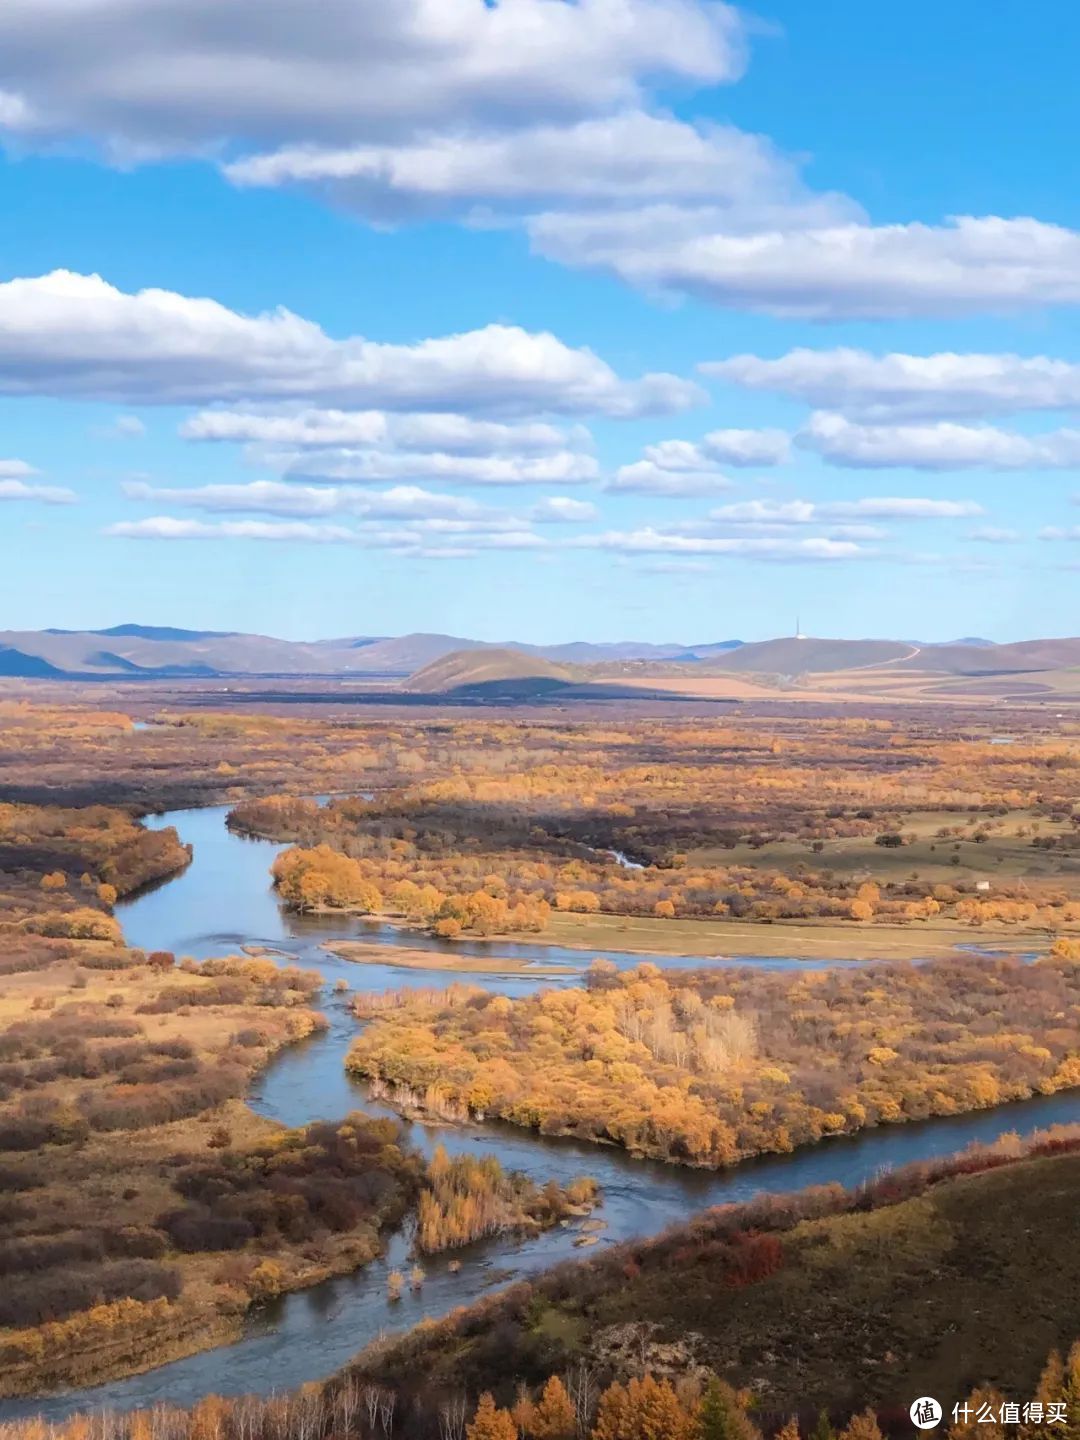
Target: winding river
<point x="224" y="900"/>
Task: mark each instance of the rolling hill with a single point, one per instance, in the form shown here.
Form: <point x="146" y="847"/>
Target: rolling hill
<point x="496" y="671"/>
<point x="158" y="651"/>
<point x="796" y="657"/>
<point x="438" y="663"/>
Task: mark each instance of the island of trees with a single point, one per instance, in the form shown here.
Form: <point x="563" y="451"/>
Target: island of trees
<point x="712" y="1066"/>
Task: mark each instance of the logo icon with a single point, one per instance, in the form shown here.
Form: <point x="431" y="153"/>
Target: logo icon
<point x="925" y="1412"/>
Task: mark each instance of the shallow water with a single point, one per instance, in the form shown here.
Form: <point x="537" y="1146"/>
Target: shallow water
<point x="223" y="900"/>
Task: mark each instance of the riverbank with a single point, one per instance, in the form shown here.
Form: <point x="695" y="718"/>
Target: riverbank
<point x="223" y="902"/>
<point x="798" y="939"/>
<point x="365" y="952"/>
<point x="644" y="935"/>
<point x="935" y="1278"/>
<point x="129" y="1236"/>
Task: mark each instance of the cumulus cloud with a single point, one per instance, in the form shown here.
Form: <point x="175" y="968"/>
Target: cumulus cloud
<point x="902" y="386"/>
<point x="747" y="447"/>
<point x="995" y="535"/>
<point x="647" y="477"/>
<point x="722" y="447"/>
<point x="809" y="512"/>
<point x="76" y="335"/>
<point x="940" y="445"/>
<point x="603" y="163"/>
<point x="44" y="494"/>
<point x="274" y="497"/>
<point x="852" y="270"/>
<point x="541" y="112"/>
<point x="563" y="467"/>
<point x="414" y="539"/>
<point x="460" y="434"/>
<point x="15" y="484"/>
<point x="166" y="527"/>
<point x="652" y="541"/>
<point x="562" y="510"/>
<point x="197" y="73"/>
<point x="683" y="469"/>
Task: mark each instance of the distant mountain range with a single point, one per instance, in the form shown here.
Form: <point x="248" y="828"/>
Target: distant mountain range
<point x="132" y="651"/>
<point x="158" y="651"/>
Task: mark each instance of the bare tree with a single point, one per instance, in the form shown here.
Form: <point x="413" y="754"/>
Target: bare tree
<point x="371" y="1404"/>
<point x="346" y="1404"/>
<point x="582" y="1388"/>
<point x="452" y="1418"/>
<point x="387" y="1401"/>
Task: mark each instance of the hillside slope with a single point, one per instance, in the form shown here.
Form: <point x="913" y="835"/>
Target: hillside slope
<point x="495" y="670"/>
<point x="972" y="1280"/>
<point x="792" y="656"/>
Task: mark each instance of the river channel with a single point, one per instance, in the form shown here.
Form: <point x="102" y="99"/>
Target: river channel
<point x="224" y="900"/>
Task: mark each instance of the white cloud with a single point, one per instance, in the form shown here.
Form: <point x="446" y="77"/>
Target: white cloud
<point x="274" y="497"/>
<point x="902" y="386"/>
<point x="431" y="537"/>
<point x="995" y="535"/>
<point x="15" y="470"/>
<point x="164" y="527"/>
<point x="651" y="541"/>
<point x="683" y="469"/>
<point x="564" y="467"/>
<point x="940" y="445"/>
<point x="851" y="270"/>
<point x="179" y="75"/>
<point x="721" y="447"/>
<point x="45" y="494"/>
<point x="546" y="111"/>
<point x="562" y="510"/>
<point x="747" y="447"/>
<point x="646" y="477"/>
<point x="310" y="427"/>
<point x="15" y="114"/>
<point x="807" y="512"/>
<point x="408" y="522"/>
<point x="76" y="335"/>
<point x="604" y="162"/>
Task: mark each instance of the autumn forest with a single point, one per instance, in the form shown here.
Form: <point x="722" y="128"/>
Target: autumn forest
<point x="700" y="936"/>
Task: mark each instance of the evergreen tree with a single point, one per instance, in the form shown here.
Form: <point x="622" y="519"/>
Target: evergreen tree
<point x="721" y="1415"/>
<point x="823" y="1429"/>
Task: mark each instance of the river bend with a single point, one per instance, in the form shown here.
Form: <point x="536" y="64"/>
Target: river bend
<point x="224" y="900"/>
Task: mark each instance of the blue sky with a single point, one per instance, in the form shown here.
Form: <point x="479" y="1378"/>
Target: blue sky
<point x="544" y="320"/>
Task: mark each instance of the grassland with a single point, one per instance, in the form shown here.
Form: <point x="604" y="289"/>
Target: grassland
<point x="111" y="1182"/>
<point x="1004" y="854"/>
<point x="795" y="939"/>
